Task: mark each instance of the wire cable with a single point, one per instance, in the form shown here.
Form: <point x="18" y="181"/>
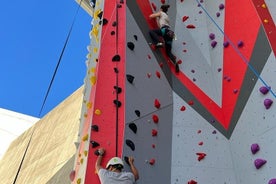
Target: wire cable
<point x="59" y="60"/>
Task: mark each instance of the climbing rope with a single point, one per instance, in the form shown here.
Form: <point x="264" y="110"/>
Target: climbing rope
<point x="60" y="58"/>
<point x="237" y="50"/>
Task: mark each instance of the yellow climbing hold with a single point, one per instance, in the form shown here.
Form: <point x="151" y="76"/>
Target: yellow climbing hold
<point x="85" y="153"/>
<point x="81" y="161"/>
<point x="89" y="105"/>
<point x="93" y="70"/>
<point x="98" y="112"/>
<point x="85" y="115"/>
<point x="95" y="31"/>
<point x="95" y="50"/>
<point x="85" y="138"/>
<point x="263" y="6"/>
<point x="93" y="80"/>
<point x="79" y="154"/>
<point x="265" y="21"/>
<point x="78" y="181"/>
<point x="96" y="13"/>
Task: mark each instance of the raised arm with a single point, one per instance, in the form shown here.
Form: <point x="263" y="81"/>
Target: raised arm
<point x="98" y="166"/>
<point x="133" y="168"/>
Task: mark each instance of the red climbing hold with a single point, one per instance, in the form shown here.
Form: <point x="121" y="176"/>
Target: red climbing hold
<point x="161" y="65"/>
<point x="153" y="146"/>
<point x="184" y="18"/>
<point x="179" y="61"/>
<point x="154" y="132"/>
<point x="162" y="1"/>
<point x="191" y="102"/>
<point x="190" y="26"/>
<point x="192" y="182"/>
<point x="183" y="108"/>
<point x="155" y="118"/>
<point x="157" y="103"/>
<point x="200" y="143"/>
<point x="153" y="6"/>
<point x="199" y="131"/>
<point x="200" y="156"/>
<point x="152" y="161"/>
<point x="158" y="74"/>
<point x="149" y="56"/>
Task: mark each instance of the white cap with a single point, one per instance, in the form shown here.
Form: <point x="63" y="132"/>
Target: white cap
<point x="114" y="161"/>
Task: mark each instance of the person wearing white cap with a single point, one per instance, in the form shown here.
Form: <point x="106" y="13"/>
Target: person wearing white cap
<point x="112" y="173"/>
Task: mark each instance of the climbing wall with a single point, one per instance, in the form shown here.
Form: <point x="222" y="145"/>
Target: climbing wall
<point x="213" y="122"/>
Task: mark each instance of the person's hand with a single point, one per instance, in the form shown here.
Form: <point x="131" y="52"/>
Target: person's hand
<point x="101" y="151"/>
<point x="131" y="160"/>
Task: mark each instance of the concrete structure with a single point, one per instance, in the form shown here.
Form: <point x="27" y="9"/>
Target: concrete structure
<point x="12" y="125"/>
<point x="206" y="124"/>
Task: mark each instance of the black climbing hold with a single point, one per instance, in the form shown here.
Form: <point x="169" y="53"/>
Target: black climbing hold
<point x="133" y="127"/>
<point x="96" y="152"/>
<point x="126" y="160"/>
<point x="112" y="33"/>
<point x="130" y="78"/>
<point x="130" y="45"/>
<point x="100" y="15"/>
<point x="116" y="70"/>
<point x="116" y="58"/>
<point x="118" y="89"/>
<point x="119" y="6"/>
<point x="122" y="1"/>
<point x="135" y="37"/>
<point x="130" y="144"/>
<point x="117" y="103"/>
<point x="105" y="21"/>
<point x="114" y="24"/>
<point x="94" y="144"/>
<point x="137" y="112"/>
<point x="95" y="128"/>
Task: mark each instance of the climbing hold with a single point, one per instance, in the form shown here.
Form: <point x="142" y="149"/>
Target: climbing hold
<point x="259" y="163"/>
<point x="193" y="71"/>
<point x="81" y="161"/>
<point x="272" y="181"/>
<point x="200" y="143"/>
<point x="100" y="14"/>
<point x="114" y="24"/>
<point x="117" y="103"/>
<point x="154" y="132"/>
<point x="265" y="21"/>
<point x="267" y="103"/>
<point x="133" y="127"/>
<point x="153" y="146"/>
<point x="72" y="175"/>
<point x="219" y="69"/>
<point x="225" y="44"/>
<point x="135" y="37"/>
<point x="118" y="89"/>
<point x="190" y="26"/>
<point x="116" y="58"/>
<point x="149" y="56"/>
<point x="95" y="128"/>
<point x="255" y="148"/>
<point x="200" y="156"/>
<point x="179" y="61"/>
<point x="264" y="90"/>
<point x="218" y="14"/>
<point x="214" y="132"/>
<point x="130" y="144"/>
<point x="155" y="118"/>
<point x="98" y="112"/>
<point x="157" y="103"/>
<point x="112" y="32"/>
<point x="199" y="131"/>
<point x="79" y="181"/>
<point x="152" y="161"/>
<point x="163" y="1"/>
<point x="105" y="21"/>
<point x="85" y="153"/>
<point x="221" y="6"/>
<point x="137" y="112"/>
<point x="212" y="36"/>
<point x="116" y="70"/>
<point x="240" y="44"/>
<point x="153" y="6"/>
<point x="192" y="182"/>
<point x="130" y="45"/>
<point x="184" y="18"/>
<point x="191" y="102"/>
<point x="214" y="43"/>
<point x="130" y="78"/>
<point x="85" y="137"/>
<point x="183" y="108"/>
<point x="158" y="74"/>
<point x="149" y="75"/>
<point x="235" y="91"/>
<point x="161" y="65"/>
<point x="194" y="79"/>
<point x="89" y="105"/>
<point x="93" y="80"/>
<point x="94" y="144"/>
<point x="119" y="6"/>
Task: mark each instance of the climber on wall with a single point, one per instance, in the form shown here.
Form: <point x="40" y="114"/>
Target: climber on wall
<point x="164" y="32"/>
<point x="113" y="172"/>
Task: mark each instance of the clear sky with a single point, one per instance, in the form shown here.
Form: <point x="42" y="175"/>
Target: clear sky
<point x="32" y="35"/>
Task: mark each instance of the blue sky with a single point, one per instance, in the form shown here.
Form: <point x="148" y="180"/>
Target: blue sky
<point x="32" y="35"/>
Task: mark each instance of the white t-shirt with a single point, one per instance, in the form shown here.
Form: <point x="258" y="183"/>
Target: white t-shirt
<point x="163" y="20"/>
<point x="109" y="177"/>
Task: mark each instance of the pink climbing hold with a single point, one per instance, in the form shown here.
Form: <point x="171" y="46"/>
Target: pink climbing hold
<point x="184" y="18"/>
<point x="267" y="103"/>
<point x="157" y="103"/>
<point x="158" y="74"/>
<point x="155" y="118"/>
<point x="154" y="132"/>
<point x="272" y="181"/>
<point x="152" y="161"/>
<point x="264" y="90"/>
<point x="255" y="148"/>
<point x="259" y="163"/>
<point x="72" y="175"/>
<point x="190" y="26"/>
<point x="192" y="182"/>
